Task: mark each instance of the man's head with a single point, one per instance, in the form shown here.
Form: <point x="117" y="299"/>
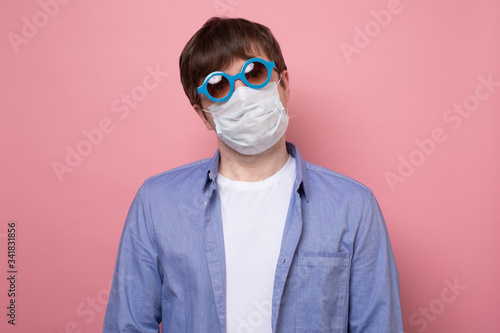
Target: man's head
<point x="219" y="43"/>
<point x="254" y="81"/>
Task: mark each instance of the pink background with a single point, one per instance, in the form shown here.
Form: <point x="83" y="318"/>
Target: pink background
<point x="66" y="68"/>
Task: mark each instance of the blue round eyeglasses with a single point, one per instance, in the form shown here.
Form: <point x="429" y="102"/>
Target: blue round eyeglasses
<point x="219" y="86"/>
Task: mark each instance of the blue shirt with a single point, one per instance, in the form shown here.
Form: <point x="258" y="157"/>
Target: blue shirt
<point x="335" y="273"/>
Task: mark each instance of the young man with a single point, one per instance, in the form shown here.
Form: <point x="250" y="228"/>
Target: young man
<point x="254" y="239"/>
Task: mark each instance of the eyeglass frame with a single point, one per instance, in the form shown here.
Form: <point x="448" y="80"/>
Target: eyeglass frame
<point x="240" y="76"/>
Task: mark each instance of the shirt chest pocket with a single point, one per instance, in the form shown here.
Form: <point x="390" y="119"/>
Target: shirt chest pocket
<point x="323" y="289"/>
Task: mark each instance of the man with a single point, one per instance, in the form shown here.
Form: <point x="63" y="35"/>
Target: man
<point x="254" y="239"/>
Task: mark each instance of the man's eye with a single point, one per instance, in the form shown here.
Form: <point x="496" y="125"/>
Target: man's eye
<point x="219" y="87"/>
<point x="255" y="74"/>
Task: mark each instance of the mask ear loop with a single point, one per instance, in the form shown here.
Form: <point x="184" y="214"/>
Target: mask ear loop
<point x="198" y="99"/>
<point x="280" y="74"/>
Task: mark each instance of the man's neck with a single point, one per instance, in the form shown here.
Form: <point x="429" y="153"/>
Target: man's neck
<point x="252" y="168"/>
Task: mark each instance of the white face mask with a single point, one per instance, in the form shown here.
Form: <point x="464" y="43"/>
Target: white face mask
<point x="252" y="120"/>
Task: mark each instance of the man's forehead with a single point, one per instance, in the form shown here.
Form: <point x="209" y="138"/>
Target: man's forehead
<point x="235" y="64"/>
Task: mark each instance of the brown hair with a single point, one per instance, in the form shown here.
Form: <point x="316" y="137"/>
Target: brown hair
<point x="218" y="43"/>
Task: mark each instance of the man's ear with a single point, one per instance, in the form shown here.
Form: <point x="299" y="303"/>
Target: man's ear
<point x="285" y="80"/>
<point x="204" y="116"/>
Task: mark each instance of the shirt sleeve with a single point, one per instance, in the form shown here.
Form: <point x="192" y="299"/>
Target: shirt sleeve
<point x="374" y="285"/>
<point x="134" y="303"/>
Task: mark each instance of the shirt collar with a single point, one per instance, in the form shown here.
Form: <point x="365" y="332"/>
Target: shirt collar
<point x="301" y="178"/>
<point x="213" y="171"/>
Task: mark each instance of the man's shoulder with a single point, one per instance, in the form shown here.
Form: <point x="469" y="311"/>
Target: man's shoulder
<point x="189" y="173"/>
<point x="321" y="178"/>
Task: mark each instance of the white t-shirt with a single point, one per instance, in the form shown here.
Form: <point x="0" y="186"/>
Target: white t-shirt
<point x="253" y="218"/>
